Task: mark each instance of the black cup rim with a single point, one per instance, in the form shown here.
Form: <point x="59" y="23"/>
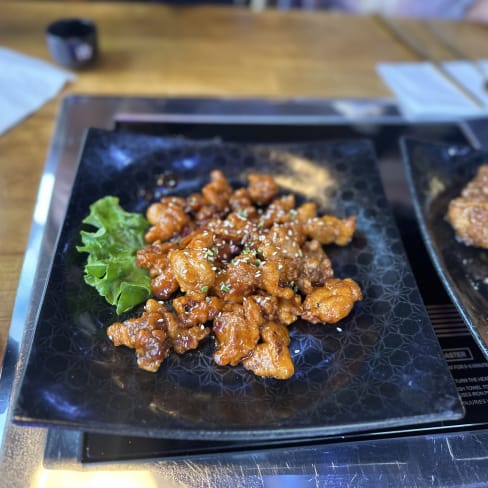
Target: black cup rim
<point x="70" y="28"/>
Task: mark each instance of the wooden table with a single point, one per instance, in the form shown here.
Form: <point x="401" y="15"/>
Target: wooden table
<point x="155" y="50"/>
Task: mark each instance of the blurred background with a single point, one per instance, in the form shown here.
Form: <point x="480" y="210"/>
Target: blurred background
<point x="475" y="10"/>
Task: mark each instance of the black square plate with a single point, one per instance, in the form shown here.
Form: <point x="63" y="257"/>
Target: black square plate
<point x="436" y="174"/>
<point x="381" y="367"/>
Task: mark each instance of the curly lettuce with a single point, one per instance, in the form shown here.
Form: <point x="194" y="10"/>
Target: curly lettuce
<point x="111" y="264"/>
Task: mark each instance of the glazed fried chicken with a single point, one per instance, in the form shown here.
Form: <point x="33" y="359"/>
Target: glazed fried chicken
<point x="272" y="357"/>
<point x="468" y="214"/>
<point x="242" y="265"/>
<point x="331" y="302"/>
<point x="146" y="334"/>
<point x="237" y="332"/>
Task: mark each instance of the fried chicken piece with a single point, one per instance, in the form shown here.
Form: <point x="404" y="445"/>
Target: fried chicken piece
<point x="155" y="258"/>
<point x="146" y="334"/>
<point x="233" y="228"/>
<point x="268" y="305"/>
<point x="241" y="203"/>
<point x="218" y="191"/>
<point x="331" y="230"/>
<point x="468" y="214"/>
<point x="167" y="217"/>
<point x="192" y="311"/>
<point x="237" y="331"/>
<point x="269" y="280"/>
<point x="271" y="357"/>
<point x="154" y="333"/>
<point x="239" y="280"/>
<point x="183" y="338"/>
<point x="192" y="266"/>
<point x="262" y="188"/>
<point x="212" y="202"/>
<point x="286" y="238"/>
<point x="331" y="302"/>
<point x="477" y="189"/>
<point x="164" y="285"/>
<point x="278" y="211"/>
<point x="315" y="267"/>
<point x="240" y="199"/>
<point x="306" y="211"/>
<point x="288" y="311"/>
<point x="470" y="221"/>
<point x="279" y="309"/>
<point x="194" y="203"/>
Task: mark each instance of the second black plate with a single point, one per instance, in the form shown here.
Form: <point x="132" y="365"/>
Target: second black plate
<point x="436" y="174"/>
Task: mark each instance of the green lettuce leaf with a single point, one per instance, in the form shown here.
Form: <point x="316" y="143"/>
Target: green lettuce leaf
<point x="111" y="263"/>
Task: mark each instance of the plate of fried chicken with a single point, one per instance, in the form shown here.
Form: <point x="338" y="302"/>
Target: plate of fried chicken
<point x="276" y="301"/>
<point x="449" y="186"/>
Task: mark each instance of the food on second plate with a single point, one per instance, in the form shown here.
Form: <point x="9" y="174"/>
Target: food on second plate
<point x="468" y="214"/>
<point x="240" y="265"/>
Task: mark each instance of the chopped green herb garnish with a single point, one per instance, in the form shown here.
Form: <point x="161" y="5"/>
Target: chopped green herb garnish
<point x="224" y="287"/>
<point x="209" y="255"/>
<point x="242" y="213"/>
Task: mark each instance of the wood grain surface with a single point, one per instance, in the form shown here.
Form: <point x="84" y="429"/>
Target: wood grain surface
<point x="156" y="50"/>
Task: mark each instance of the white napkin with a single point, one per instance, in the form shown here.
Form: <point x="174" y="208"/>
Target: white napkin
<point x="423" y="92"/>
<point x="26" y="83"/>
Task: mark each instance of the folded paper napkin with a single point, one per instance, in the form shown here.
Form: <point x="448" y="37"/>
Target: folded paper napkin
<point x="423" y="92"/>
<point x="26" y="83"/>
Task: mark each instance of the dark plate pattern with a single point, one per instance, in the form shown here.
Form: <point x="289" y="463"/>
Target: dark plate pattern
<point x="381" y="367"/>
<point x="436" y="174"/>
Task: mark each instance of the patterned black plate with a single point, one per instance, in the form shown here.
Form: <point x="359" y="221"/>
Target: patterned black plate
<point x="380" y="367"/>
<point x="436" y="174"/>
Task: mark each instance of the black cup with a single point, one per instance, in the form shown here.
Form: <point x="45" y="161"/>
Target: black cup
<point x="73" y="42"/>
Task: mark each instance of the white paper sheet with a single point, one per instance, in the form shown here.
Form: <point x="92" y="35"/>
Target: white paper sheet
<point x="422" y="91"/>
<point x="26" y="83"/>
